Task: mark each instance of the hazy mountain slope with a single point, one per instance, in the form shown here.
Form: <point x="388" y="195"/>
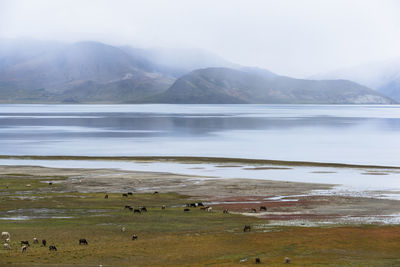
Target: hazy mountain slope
<point x="383" y="76"/>
<point x="177" y="62"/>
<point x="120" y="91"/>
<point x="224" y="85"/>
<point x="72" y="67"/>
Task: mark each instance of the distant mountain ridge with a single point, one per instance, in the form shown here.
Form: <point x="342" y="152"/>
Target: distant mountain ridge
<point x="93" y="72"/>
<point x="224" y="85"/>
<point x="383" y="76"/>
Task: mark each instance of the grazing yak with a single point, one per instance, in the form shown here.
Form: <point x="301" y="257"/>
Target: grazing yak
<point x="35" y="240"/>
<point x="52" y="248"/>
<point x="186" y="210"/>
<point x="127" y="207"/>
<point x="163" y="207"/>
<point x="134" y="237"/>
<point x="226" y="211"/>
<point x="25" y="243"/>
<point x="50" y="183"/>
<point x="7" y="246"/>
<point x="44" y="242"/>
<point x="247" y="228"/>
<point x="5" y="235"/>
<point x="143" y="209"/>
<point x="137" y="211"/>
<point x="155" y="193"/>
<point x="83" y="241"/>
<point x="23" y="249"/>
<point x="287" y="260"/>
<point x="254" y="210"/>
<point x="124" y="195"/>
<point x="130" y="193"/>
<point x="106" y="196"/>
<point x="263" y="208"/>
<point x="258" y="261"/>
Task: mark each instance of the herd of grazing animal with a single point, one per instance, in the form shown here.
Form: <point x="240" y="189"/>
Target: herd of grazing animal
<point x="25" y="244"/>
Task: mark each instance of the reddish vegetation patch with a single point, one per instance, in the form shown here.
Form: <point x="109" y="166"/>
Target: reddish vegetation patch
<point x="299" y="205"/>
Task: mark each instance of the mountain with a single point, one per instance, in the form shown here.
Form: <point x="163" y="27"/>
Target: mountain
<point x="92" y="72"/>
<point x="383" y="76"/>
<point x="225" y="85"/>
<point x="79" y="72"/>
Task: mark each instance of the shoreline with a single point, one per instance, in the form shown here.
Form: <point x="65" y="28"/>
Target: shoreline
<point x="192" y="159"/>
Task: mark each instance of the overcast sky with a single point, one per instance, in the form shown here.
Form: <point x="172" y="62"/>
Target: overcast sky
<point x="297" y="38"/>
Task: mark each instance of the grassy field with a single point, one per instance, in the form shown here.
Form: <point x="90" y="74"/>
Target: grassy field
<point x="169" y="237"/>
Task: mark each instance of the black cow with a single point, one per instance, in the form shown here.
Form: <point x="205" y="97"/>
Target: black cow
<point x="44" y="242"/>
<point x="25" y="243"/>
<point x="143" y="209"/>
<point x="263" y="208"/>
<point x="258" y="261"/>
<point x="137" y="211"/>
<point x="130" y="193"/>
<point x="155" y="192"/>
<point x="83" y="241"/>
<point x="247" y="228"/>
<point x="134" y="237"/>
<point x="50" y="183"/>
<point x="186" y="210"/>
<point x="127" y="207"/>
<point x="106" y="196"/>
<point x="200" y="204"/>
<point x="52" y="248"/>
<point x="130" y="209"/>
<point x="124" y="195"/>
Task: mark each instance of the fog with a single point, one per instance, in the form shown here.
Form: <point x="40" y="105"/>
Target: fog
<point x="297" y="38"/>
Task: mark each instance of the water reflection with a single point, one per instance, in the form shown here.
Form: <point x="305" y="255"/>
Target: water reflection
<point x="350" y="134"/>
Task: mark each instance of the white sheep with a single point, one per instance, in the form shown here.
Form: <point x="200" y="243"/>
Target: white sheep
<point x="5" y="235"/>
<point x="7" y="246"/>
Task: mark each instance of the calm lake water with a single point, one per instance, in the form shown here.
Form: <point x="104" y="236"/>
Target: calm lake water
<point x="323" y="133"/>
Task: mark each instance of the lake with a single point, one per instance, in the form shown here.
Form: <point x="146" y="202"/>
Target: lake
<point x="357" y="134"/>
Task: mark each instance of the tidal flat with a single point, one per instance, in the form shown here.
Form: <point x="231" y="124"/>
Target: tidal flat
<point x="63" y="205"/>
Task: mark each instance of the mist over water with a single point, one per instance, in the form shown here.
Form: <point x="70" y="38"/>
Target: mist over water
<point x="345" y="134"/>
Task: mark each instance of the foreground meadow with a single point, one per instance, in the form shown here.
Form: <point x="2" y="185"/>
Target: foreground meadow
<point x="168" y="237"/>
